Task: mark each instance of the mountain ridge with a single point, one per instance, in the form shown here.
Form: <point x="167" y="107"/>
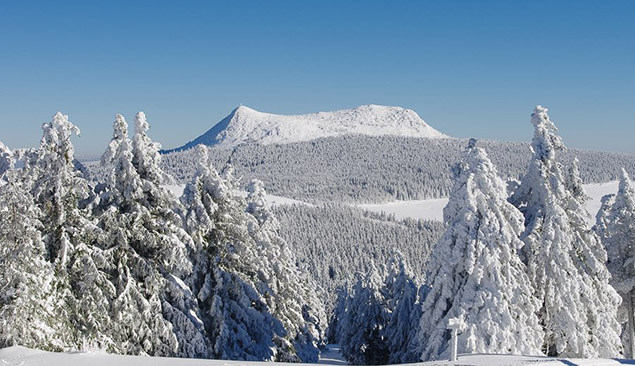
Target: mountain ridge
<point x="245" y="124"/>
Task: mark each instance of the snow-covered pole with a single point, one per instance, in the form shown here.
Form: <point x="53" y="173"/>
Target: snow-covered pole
<point x="631" y="331"/>
<point x="454" y="324"/>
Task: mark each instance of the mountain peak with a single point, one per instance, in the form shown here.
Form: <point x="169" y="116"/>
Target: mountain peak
<point x="246" y="124"/>
<point x="244" y="109"/>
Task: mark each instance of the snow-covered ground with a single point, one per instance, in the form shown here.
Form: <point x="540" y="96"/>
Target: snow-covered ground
<point x="177" y="190"/>
<point x="20" y="356"/>
<point x="433" y="209"/>
<point x="246" y="124"/>
<point x="418" y="209"/>
<point x="331" y="356"/>
<point x="596" y="192"/>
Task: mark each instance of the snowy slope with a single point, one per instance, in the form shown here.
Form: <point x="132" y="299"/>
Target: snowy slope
<point x="272" y="200"/>
<point x="245" y="124"/>
<point x="28" y="357"/>
<point x="433" y="209"/>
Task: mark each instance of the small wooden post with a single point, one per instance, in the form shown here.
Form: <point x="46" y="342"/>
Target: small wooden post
<point x="454" y="324"/>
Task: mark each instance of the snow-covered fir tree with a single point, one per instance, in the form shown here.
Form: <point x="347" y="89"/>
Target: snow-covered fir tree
<point x="291" y="294"/>
<point x="61" y="193"/>
<point x="145" y="153"/>
<point x="26" y="294"/>
<point x="75" y="298"/>
<point x="336" y="324"/>
<point x="565" y="260"/>
<point x="228" y="269"/>
<point x="401" y="293"/>
<point x="57" y="187"/>
<point x="148" y="252"/>
<point x="246" y="268"/>
<point x="475" y="272"/>
<point x="363" y="339"/>
<point x="573" y="182"/>
<point x="6" y="158"/>
<point x="616" y="228"/>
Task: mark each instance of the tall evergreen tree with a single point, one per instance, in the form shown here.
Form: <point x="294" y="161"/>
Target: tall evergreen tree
<point x="57" y="187"/>
<point x="148" y="252"/>
<point x="26" y="294"/>
<point x="145" y="153"/>
<point x="227" y="276"/>
<point x="573" y="182"/>
<point x="565" y="260"/>
<point x="616" y="228"/>
<point x="6" y="158"/>
<point x="291" y="294"/>
<point x="60" y="191"/>
<point x="337" y="325"/>
<point x="475" y="272"/>
<point x="363" y="340"/>
<point x="405" y="312"/>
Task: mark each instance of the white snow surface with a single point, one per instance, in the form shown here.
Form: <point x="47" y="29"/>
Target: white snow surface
<point x="432" y="209"/>
<point x="246" y="124"/>
<point x="272" y="200"/>
<point x="596" y="192"/>
<point x="21" y="356"/>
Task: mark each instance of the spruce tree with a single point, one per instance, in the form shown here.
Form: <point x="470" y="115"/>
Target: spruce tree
<point x="228" y="270"/>
<point x="148" y="252"/>
<point x="57" y="188"/>
<point x="475" y="273"/>
<point x="616" y="228"/>
<point x="6" y="158"/>
<point x="363" y="340"/>
<point x="62" y="193"/>
<point x="290" y="293"/>
<point x="405" y="312"/>
<point x="565" y="260"/>
<point x="573" y="182"/>
<point x="26" y="294"/>
<point x="337" y="323"/>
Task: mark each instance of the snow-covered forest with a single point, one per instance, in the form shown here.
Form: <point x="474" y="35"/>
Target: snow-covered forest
<point x="123" y="265"/>
<point x="378" y="168"/>
<point x="106" y="257"/>
<point x="334" y="242"/>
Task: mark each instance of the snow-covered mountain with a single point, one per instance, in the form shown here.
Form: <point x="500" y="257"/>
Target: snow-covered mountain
<point x="245" y="124"/>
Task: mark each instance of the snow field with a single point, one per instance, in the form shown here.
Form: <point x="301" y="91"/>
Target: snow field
<point x="21" y="356"/>
<point x="433" y="209"/>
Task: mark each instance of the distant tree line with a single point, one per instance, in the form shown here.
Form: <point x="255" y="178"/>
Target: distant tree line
<point x="366" y="169"/>
<point x="333" y="242"/>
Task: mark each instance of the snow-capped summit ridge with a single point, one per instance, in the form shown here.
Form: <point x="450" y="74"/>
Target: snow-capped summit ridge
<point x="246" y="124"/>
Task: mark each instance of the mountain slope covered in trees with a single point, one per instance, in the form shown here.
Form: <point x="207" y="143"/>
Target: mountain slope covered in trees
<point x="373" y="169"/>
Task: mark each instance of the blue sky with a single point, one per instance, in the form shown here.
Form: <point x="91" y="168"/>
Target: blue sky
<point x="469" y="68"/>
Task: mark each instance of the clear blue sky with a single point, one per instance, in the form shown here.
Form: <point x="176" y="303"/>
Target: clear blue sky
<point x="469" y="68"/>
